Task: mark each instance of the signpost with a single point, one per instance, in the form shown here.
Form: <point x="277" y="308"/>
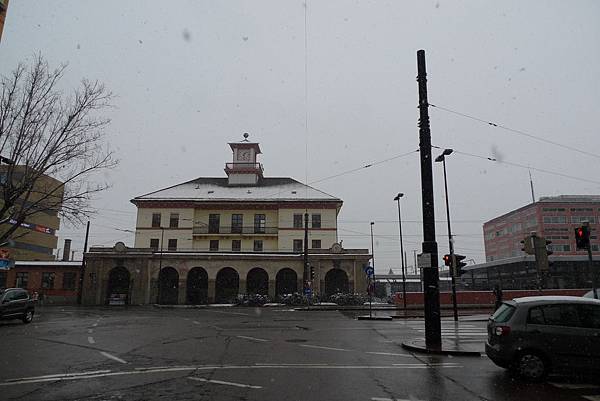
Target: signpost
<point x="370" y="272"/>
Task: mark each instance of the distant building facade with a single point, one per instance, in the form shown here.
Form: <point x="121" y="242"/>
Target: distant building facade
<point x="56" y="282"/>
<point x="210" y="239"/>
<point x="36" y="238"/>
<point x="553" y="218"/>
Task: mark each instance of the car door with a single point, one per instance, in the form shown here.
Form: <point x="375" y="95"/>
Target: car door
<point x="556" y="330"/>
<point x="20" y="302"/>
<point x="8" y="304"/>
<point x="590" y="322"/>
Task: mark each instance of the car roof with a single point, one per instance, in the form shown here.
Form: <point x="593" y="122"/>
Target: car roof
<point x="553" y="299"/>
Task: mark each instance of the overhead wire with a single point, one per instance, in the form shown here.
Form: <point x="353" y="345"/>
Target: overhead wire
<point x="516" y="131"/>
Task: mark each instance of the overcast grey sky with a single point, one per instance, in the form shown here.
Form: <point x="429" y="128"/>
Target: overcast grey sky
<point x="192" y="75"/>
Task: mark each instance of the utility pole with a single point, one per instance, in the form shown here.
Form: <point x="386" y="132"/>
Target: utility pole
<point x="373" y="258"/>
<point x="531" y="185"/>
<point x="431" y="290"/>
<point x="307" y="278"/>
<point x="82" y="275"/>
<point x="591" y="261"/>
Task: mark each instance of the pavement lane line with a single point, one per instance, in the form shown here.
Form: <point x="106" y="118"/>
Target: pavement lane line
<point x="200" y="379"/>
<point x="90" y="331"/>
<point x="93" y="372"/>
<point x="225" y="367"/>
<point x="228" y="313"/>
<point x="196" y="322"/>
<point x="114" y="358"/>
<point x="291" y="364"/>
<point x="91" y="340"/>
<point x="389" y="353"/>
<point x="262" y="340"/>
<point x="572" y="386"/>
<point x="592" y="397"/>
<point x="320" y="347"/>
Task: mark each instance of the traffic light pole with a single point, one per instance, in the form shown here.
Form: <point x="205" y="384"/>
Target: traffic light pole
<point x="591" y="261"/>
<point x="431" y="290"/>
<point x="450" y="247"/>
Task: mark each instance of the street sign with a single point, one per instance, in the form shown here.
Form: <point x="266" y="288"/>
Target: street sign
<point x="424" y="260"/>
<point x="369" y="271"/>
<point x="6" y="264"/>
<point x="307" y="291"/>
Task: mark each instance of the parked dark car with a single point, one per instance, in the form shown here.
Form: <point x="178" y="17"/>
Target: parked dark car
<point x="535" y="335"/>
<point x="15" y="303"/>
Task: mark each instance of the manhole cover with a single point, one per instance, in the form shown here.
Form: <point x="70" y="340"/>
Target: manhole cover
<point x="296" y="340"/>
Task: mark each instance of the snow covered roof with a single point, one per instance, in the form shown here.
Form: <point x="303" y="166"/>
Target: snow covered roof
<point x="218" y="189"/>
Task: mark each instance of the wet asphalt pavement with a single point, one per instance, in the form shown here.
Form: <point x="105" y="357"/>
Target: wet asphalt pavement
<point x="142" y="353"/>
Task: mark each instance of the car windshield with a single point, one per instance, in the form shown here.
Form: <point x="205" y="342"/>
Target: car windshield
<point x="294" y="199"/>
<point x="503" y="313"/>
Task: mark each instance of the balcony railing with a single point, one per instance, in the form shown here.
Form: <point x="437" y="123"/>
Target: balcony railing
<point x="244" y="166"/>
<point x="199" y="230"/>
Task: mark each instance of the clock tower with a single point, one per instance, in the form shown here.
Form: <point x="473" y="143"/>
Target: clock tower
<point x="244" y="170"/>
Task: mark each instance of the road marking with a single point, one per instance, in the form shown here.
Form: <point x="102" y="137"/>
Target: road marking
<point x="592" y="397"/>
<point x="90" y="331"/>
<point x="262" y="340"/>
<point x="570" y="386"/>
<point x="394" y="399"/>
<point x="114" y="358"/>
<point x="200" y="379"/>
<point x="83" y="375"/>
<point x="389" y="353"/>
<point x="95" y="324"/>
<point x="229" y="313"/>
<point x="196" y="322"/>
<point x="327" y="348"/>
<point x="93" y="372"/>
<point x="91" y="340"/>
<point x="291" y="364"/>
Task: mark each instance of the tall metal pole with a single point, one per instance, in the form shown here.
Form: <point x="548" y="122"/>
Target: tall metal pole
<point x="373" y="259"/>
<point x="450" y="247"/>
<point x="307" y="277"/>
<point x="591" y="262"/>
<point x="82" y="275"/>
<point x="402" y="256"/>
<point x="431" y="291"/>
<point x="162" y="237"/>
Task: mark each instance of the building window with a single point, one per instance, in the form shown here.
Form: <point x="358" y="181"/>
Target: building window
<point x="237" y="223"/>
<point x="214" y="245"/>
<point x="69" y="280"/>
<point x="298" y="221"/>
<point x="560" y="247"/>
<point x="172" y="245"/>
<point x="174" y="220"/>
<point x="258" y="245"/>
<point x="582" y="219"/>
<point x="316" y="221"/>
<point x="22" y="279"/>
<point x="297" y="245"/>
<point x="47" y="280"/>
<point x="316" y="244"/>
<point x="214" y="221"/>
<point x="555" y="219"/>
<point x="155" y="220"/>
<point x="236" y="245"/>
<point x="154" y="243"/>
<point x="595" y="248"/>
<point x="260" y="221"/>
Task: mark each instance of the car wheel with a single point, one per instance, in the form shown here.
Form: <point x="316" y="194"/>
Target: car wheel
<point x="28" y="317"/>
<point x="532" y="366"/>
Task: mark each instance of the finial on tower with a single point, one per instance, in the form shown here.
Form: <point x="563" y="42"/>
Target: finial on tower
<point x="246" y="135"/>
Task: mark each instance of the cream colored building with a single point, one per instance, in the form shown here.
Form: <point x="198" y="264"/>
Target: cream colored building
<point x="210" y="239"/>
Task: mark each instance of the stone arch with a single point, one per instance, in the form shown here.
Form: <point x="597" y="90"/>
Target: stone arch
<point x="168" y="280"/>
<point x="227" y="285"/>
<point x="197" y="286"/>
<point x="336" y="280"/>
<point x="286" y="282"/>
<point x="117" y="289"/>
<point x="257" y="281"/>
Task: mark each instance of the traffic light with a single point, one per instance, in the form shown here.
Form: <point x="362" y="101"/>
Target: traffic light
<point x="549" y="250"/>
<point x="527" y="245"/>
<point x="447" y="260"/>
<point x="312" y="272"/>
<point x="459" y="264"/>
<point x="582" y="237"/>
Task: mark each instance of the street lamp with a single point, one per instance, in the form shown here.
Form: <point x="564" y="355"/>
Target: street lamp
<point x="397" y="198"/>
<point x="442" y="158"/>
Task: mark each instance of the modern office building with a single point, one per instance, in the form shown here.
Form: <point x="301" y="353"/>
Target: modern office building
<point x="553" y="218"/>
<point x="212" y="238"/>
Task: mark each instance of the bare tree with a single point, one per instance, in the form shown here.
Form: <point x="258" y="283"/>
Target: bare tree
<point x="51" y="145"/>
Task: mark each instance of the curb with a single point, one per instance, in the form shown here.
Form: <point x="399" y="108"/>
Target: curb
<point x="419" y="346"/>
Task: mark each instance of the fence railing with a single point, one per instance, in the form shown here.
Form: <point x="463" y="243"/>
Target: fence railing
<point x="235" y="230"/>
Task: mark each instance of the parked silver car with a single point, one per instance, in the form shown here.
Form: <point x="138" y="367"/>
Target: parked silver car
<point x="536" y="335"/>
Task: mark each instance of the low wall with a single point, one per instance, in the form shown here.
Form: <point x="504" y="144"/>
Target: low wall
<point x="482" y="297"/>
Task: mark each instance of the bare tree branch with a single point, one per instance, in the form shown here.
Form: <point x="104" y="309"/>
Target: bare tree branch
<point x="52" y="144"/>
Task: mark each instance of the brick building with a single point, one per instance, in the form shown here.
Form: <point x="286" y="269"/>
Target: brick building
<point x="553" y="218"/>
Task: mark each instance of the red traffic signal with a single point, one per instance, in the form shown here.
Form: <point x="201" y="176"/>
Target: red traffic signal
<point x="447" y="260"/>
<point x="582" y="237"/>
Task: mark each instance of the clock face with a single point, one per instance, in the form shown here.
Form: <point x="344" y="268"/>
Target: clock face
<point x="244" y="155"/>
